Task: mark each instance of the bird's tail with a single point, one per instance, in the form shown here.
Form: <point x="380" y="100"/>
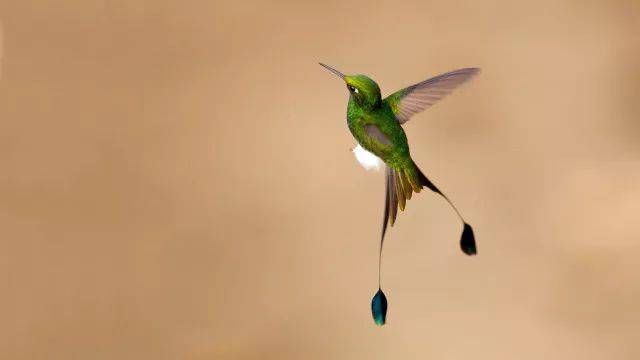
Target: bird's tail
<point x="402" y="183"/>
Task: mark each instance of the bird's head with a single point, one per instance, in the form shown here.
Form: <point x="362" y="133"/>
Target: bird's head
<point x="364" y="91"/>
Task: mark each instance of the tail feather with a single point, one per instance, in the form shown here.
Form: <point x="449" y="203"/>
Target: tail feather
<point x="391" y="199"/>
<point x="400" y="185"/>
<point x="467" y="240"/>
<point x="399" y="189"/>
<point x="404" y="181"/>
<point x="426" y="182"/>
<point x="411" y="174"/>
<point x="404" y="184"/>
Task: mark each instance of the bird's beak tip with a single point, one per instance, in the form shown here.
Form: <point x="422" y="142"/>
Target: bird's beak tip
<point x="334" y="71"/>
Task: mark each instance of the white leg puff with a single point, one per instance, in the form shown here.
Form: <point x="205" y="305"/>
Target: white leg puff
<point x="367" y="159"/>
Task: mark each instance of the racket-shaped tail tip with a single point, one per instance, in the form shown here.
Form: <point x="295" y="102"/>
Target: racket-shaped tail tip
<point x="468" y="241"/>
<point x="379" y="308"/>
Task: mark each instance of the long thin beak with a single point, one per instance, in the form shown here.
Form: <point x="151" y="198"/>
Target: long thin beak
<point x="336" y="72"/>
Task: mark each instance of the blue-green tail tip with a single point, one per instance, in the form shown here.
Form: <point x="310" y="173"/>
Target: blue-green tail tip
<point x="468" y="241"/>
<point x="379" y="308"/>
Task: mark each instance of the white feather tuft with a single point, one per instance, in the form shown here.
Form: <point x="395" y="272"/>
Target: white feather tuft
<point x="367" y="159"/>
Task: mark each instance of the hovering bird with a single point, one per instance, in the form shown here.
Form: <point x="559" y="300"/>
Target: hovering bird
<point x="376" y="124"/>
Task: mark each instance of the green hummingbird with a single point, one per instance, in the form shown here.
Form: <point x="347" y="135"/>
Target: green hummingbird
<point x="376" y="124"/>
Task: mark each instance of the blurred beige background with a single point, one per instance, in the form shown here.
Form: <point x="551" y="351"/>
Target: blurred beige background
<point x="176" y="181"/>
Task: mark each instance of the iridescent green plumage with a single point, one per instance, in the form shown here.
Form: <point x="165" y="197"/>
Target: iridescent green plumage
<point x="376" y="124"/>
<point x="373" y="123"/>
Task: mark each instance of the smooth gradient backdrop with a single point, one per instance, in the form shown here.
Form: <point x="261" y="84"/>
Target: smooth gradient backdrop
<point x="176" y="181"/>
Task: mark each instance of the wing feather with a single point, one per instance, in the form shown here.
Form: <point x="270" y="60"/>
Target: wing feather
<point x="413" y="99"/>
<point x="375" y="132"/>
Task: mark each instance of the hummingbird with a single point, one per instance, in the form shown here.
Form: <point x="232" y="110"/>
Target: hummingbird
<point x="376" y="125"/>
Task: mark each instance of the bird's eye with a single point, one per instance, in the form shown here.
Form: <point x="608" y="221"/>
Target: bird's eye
<point x="352" y="89"/>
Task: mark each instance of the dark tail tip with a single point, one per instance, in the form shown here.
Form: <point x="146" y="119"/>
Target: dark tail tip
<point x="468" y="241"/>
<point x="379" y="308"/>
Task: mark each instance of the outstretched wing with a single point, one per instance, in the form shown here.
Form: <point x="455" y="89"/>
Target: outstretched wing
<point x="416" y="98"/>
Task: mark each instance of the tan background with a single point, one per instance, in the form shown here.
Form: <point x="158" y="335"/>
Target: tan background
<point x="176" y="181"/>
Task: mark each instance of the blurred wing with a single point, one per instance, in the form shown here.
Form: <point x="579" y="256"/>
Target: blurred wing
<point x="416" y="98"/>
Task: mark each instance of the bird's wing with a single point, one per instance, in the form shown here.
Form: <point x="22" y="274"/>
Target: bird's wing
<point x="416" y="98"/>
<point x="375" y="133"/>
